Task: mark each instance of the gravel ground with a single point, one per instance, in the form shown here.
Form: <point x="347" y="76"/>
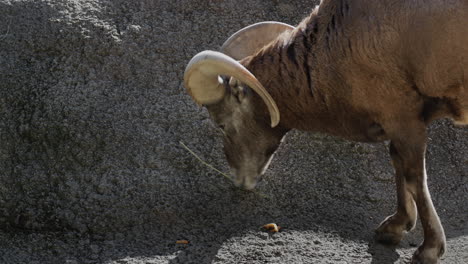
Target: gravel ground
<point x="92" y="110"/>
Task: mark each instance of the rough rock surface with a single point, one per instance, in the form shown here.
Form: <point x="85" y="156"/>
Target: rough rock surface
<point x="92" y="110"/>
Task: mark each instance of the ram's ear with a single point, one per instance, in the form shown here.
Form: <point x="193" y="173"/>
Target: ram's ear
<point x="238" y="89"/>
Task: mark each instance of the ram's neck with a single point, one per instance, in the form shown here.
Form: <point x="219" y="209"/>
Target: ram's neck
<point x="286" y="70"/>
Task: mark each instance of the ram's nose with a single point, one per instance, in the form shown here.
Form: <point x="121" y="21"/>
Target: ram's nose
<point x="247" y="182"/>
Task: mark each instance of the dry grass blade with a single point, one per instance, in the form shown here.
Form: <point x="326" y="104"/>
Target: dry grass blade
<point x="204" y="162"/>
<point x="215" y="169"/>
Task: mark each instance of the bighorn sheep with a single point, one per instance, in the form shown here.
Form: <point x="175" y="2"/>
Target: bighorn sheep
<point x="364" y="70"/>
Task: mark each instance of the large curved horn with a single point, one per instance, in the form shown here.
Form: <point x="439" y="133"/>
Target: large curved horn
<point x="248" y="40"/>
<point x="201" y="80"/>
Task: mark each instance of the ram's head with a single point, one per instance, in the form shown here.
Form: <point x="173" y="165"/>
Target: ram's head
<point x="237" y="102"/>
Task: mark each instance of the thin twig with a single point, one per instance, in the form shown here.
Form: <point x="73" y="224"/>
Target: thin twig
<point x="204" y="162"/>
<point x="218" y="171"/>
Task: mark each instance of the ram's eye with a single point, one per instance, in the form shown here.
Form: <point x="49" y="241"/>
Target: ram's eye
<point x="270" y="150"/>
<point x="222" y="127"/>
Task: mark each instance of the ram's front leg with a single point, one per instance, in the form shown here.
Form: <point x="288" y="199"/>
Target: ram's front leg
<point x="393" y="228"/>
<point x="409" y="146"/>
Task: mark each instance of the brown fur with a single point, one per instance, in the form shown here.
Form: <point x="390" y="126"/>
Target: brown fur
<point x="364" y="70"/>
<point x="338" y="67"/>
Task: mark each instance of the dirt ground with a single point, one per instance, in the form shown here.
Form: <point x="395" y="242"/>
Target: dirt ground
<point x="324" y="220"/>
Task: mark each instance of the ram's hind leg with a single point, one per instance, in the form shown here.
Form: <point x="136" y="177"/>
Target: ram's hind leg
<point x="393" y="228"/>
<point x="408" y="137"/>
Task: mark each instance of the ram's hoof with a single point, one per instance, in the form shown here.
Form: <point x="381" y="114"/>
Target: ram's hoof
<point x="432" y="255"/>
<point x="391" y="231"/>
<point x="388" y="238"/>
